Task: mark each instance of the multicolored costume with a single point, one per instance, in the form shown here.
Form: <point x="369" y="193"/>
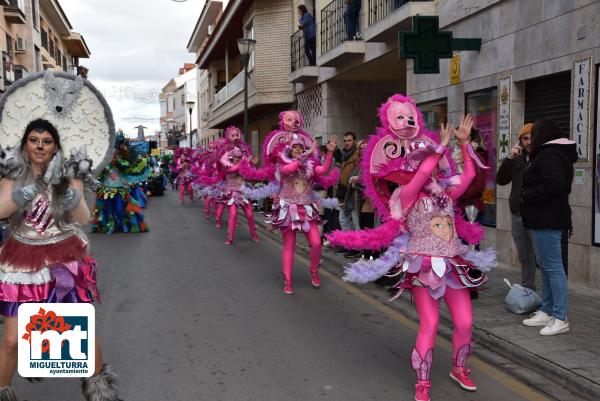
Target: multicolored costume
<point x="412" y="182"/>
<point x="116" y="209"/>
<point x="46" y="256"/>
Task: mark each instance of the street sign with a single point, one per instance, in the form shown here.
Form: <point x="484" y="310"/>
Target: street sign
<point x="426" y="44"/>
<point x="455" y="69"/>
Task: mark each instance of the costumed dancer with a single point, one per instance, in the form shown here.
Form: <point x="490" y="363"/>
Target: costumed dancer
<point x="206" y="166"/>
<point x="116" y="209"/>
<point x="231" y="154"/>
<point x="298" y="168"/>
<point x="421" y="230"/>
<point x="46" y="257"/>
<point x="185" y="179"/>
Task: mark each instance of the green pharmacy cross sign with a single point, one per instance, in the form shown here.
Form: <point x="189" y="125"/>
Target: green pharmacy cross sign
<point x="426" y="44"/>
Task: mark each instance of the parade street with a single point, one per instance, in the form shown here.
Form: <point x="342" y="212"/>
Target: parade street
<point x="185" y="317"/>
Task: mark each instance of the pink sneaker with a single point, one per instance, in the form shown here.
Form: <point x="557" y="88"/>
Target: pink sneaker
<point x="316" y="280"/>
<point x="228" y="242"/>
<point x="218" y="225"/>
<point x="463" y="378"/>
<point x="422" y="390"/>
<point x="287" y="288"/>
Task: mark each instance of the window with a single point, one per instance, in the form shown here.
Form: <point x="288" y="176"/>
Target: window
<point x="483" y="106"/>
<point x="183" y="99"/>
<point x="58" y="57"/>
<point x="64" y="63"/>
<point x="51" y="48"/>
<point x="9" y="45"/>
<point x="44" y="37"/>
<point x="34" y="13"/>
<point x="434" y="113"/>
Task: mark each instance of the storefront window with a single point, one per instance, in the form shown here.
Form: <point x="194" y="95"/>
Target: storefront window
<point x="434" y="113"/>
<point x="483" y="106"/>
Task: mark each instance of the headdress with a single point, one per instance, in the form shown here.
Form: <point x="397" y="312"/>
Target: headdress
<point x="71" y="104"/>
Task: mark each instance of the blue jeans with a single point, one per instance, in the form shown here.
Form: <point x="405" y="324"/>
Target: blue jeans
<point x="546" y="244"/>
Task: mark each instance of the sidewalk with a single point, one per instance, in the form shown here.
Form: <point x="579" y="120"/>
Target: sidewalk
<point x="570" y="361"/>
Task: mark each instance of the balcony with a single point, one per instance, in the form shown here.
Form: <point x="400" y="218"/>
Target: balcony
<point x="301" y="70"/>
<point x="235" y="86"/>
<point x="341" y="37"/>
<point x="15" y="12"/>
<point x="386" y="18"/>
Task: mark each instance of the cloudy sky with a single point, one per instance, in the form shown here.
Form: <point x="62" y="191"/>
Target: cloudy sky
<point x="137" y="46"/>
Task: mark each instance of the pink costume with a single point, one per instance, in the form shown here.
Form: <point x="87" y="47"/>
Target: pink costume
<point x="233" y="183"/>
<point x="294" y="207"/>
<point x="423" y="246"/>
<point x="205" y="167"/>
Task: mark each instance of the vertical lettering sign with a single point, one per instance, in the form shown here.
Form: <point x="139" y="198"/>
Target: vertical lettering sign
<point x="580" y="105"/>
<point x="595" y="168"/>
<point x="504" y="99"/>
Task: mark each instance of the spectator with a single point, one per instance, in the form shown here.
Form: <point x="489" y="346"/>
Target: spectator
<point x="352" y="18"/>
<point x="473" y="195"/>
<point x="352" y="200"/>
<point x="309" y="31"/>
<point x="350" y="161"/>
<point x="546" y="214"/>
<point x="511" y="172"/>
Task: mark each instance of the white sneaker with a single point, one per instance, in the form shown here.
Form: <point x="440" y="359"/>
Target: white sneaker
<point x="538" y="318"/>
<point x="556" y="327"/>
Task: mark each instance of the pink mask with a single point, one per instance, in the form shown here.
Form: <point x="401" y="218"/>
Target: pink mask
<point x="234" y="135"/>
<point x="291" y="121"/>
<point x="402" y="118"/>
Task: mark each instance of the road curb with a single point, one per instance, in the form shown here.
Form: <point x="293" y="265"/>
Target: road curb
<point x="544" y="375"/>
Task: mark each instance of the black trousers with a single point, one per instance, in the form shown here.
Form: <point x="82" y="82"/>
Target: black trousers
<point x="310" y="48"/>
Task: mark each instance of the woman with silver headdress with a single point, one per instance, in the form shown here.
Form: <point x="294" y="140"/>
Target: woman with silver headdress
<point x="46" y="258"/>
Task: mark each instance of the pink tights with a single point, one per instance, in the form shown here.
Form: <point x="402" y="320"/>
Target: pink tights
<point x="185" y="187"/>
<point x="289" y="245"/>
<point x="232" y="221"/>
<point x="459" y="304"/>
<point x="208" y="201"/>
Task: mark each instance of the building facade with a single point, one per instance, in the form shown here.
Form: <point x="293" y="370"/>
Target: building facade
<point x="214" y="42"/>
<point x="538" y="59"/>
<point x="37" y="36"/>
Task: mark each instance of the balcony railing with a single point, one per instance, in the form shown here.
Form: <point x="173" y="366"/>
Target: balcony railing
<point x="231" y="89"/>
<point x="299" y="58"/>
<point x="340" y="21"/>
<point x="379" y="9"/>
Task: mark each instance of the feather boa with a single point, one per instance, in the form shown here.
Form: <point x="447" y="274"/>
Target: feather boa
<point x="326" y="203"/>
<point x="329" y="180"/>
<point x="472" y="233"/>
<point x="370" y="238"/>
<point x="365" y="271"/>
<point x="256" y="174"/>
<point x="484" y="260"/>
<point x="262" y="192"/>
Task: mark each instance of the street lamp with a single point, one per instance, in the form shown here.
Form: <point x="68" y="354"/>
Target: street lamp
<point x="190" y="105"/>
<point x="246" y="47"/>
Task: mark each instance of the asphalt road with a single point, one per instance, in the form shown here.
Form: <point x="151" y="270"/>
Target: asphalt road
<point x="186" y="317"/>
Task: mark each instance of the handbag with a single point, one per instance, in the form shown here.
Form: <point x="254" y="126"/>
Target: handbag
<point x="520" y="299"/>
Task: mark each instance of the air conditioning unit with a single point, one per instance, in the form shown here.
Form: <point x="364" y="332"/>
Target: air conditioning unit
<point x="211" y="29"/>
<point x="21" y="45"/>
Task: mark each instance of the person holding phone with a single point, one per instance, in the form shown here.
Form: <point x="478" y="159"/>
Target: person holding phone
<point x="511" y="172"/>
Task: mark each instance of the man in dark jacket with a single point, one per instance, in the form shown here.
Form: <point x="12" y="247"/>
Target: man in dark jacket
<point x="546" y="215"/>
<point x="511" y="172"/>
